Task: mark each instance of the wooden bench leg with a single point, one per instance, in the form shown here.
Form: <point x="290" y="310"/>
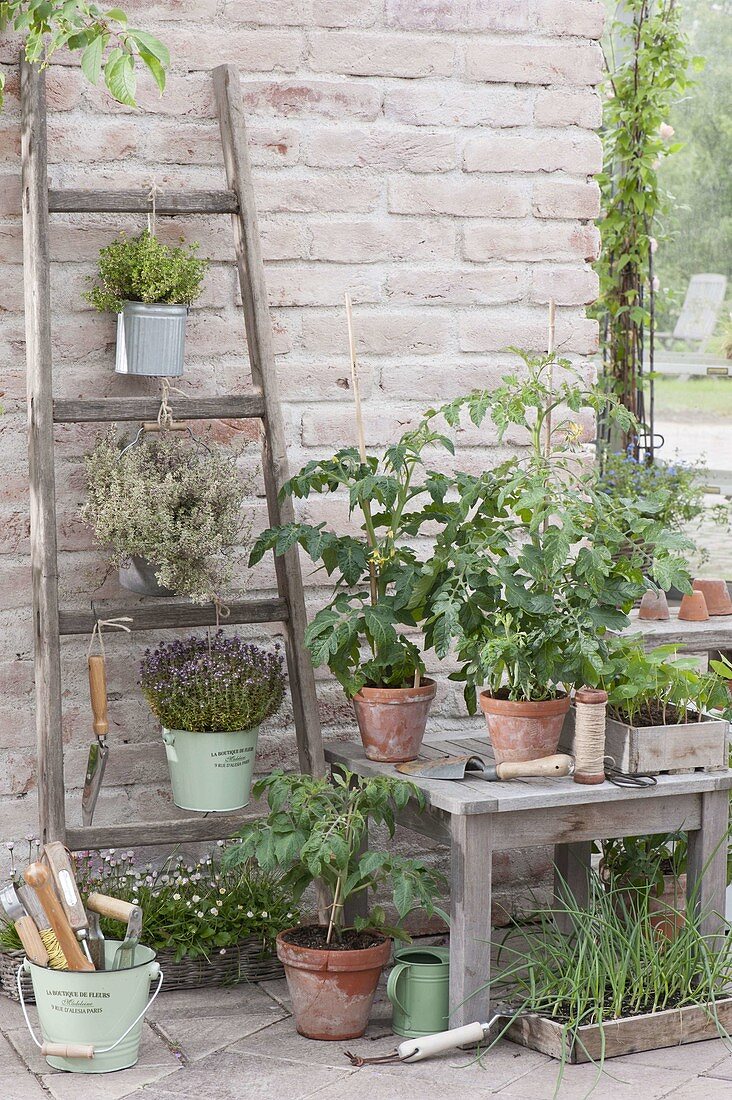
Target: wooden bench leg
<point x="470" y="917"/>
<point x="358" y="904"/>
<point x="572" y="864"/>
<point x="706" y="872"/>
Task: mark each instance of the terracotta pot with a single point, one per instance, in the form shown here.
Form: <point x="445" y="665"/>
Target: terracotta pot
<point x="668" y="911"/>
<point x="654" y="606"/>
<point x="392" y="720"/>
<point x="523" y="731"/>
<point x="716" y="595"/>
<point x="693" y="608"/>
<point x="332" y="991"/>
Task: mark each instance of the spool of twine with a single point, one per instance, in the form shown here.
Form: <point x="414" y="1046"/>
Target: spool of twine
<point x="589" y="735"/>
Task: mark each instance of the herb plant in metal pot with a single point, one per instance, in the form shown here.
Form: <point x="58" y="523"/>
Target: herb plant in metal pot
<point x="525" y="580"/>
<point x="367" y="634"/>
<point x="210" y="695"/>
<point x="171" y="513"/>
<point x="150" y="287"/>
<point x="317" y="830"/>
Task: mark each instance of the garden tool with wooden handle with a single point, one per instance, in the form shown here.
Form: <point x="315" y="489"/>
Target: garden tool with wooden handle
<point x="38" y="877"/>
<point x="116" y="909"/>
<point x="25" y="926"/>
<point x="29" y="898"/>
<point x="474" y="767"/>
<point x="57" y="858"/>
<point x="98" y="750"/>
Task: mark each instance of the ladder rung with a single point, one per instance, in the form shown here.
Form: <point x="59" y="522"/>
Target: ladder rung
<point x="108" y="409"/>
<point x="140" y="833"/>
<point x="70" y="201"/>
<point x="167" y="614"/>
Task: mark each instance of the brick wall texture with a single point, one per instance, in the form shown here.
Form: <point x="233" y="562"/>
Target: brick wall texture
<point x="433" y="157"/>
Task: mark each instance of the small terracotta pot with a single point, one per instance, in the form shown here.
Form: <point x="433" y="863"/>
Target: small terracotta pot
<point x="668" y="911"/>
<point x="392" y="721"/>
<point x="693" y="608"/>
<point x="332" y="991"/>
<point x="716" y="595"/>
<point x="523" y="731"/>
<point x="654" y="606"/>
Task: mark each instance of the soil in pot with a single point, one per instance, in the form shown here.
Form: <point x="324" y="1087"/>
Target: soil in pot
<point x="520" y="730"/>
<point x="392" y="721"/>
<point x="656" y="715"/>
<point x="332" y="986"/>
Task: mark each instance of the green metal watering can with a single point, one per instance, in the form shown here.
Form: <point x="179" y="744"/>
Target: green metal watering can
<point x="419" y="990"/>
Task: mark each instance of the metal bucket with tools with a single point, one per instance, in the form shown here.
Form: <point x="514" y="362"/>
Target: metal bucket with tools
<point x="91" y="1022"/>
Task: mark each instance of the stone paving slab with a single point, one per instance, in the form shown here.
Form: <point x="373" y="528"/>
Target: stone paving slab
<point x="230" y="1076"/>
<point x="16" y="1080"/>
<point x="229" y="1044"/>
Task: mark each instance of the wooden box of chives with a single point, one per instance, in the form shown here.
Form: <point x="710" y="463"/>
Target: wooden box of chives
<point x="627" y="1035"/>
<point x="652" y="750"/>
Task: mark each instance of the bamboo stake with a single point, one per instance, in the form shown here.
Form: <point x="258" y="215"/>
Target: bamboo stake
<point x="354" y="378"/>
<point x="550" y="351"/>
<point x="361" y="439"/>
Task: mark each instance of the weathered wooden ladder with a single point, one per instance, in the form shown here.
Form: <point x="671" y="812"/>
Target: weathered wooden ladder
<point x="50" y="623"/>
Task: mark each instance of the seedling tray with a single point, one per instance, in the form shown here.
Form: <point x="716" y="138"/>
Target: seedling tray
<point x="652" y="750"/>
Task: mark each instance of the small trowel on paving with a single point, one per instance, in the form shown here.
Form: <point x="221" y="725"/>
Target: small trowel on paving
<point x="474" y="767"/>
<point x="98" y="750"/>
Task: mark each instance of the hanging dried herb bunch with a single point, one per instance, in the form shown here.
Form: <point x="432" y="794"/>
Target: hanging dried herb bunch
<point x="176" y="504"/>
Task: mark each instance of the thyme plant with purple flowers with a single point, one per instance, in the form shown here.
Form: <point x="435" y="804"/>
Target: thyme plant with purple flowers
<point x="213" y="683"/>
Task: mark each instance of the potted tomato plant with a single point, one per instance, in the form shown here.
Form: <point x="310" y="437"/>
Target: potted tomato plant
<point x="316" y="829"/>
<point x="527" y="582"/>
<point x="150" y="287"/>
<point x="367" y="633"/>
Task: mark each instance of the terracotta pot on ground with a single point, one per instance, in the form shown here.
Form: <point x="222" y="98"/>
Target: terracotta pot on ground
<point x="654" y="606"/>
<point x="392" y="721"/>
<point x="332" y="991"/>
<point x="693" y="608"/>
<point x="716" y="596"/>
<point x="523" y="731"/>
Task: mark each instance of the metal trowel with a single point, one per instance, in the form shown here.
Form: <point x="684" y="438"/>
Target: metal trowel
<point x="116" y="909"/>
<point x="474" y="767"/>
<point x="98" y="751"/>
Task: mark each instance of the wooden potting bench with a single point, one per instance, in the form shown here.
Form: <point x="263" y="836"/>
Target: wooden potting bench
<point x="477" y="818"/>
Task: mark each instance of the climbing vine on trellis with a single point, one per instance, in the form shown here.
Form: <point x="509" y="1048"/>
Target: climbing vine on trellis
<point x="648" y="62"/>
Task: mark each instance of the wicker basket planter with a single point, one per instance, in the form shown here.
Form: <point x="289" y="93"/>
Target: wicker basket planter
<point x="242" y="963"/>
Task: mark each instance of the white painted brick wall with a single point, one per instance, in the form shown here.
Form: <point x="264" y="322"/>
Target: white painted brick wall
<point x="433" y="158"/>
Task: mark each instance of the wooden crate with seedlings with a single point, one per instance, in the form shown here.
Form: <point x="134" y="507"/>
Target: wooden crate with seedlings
<point x="653" y="750"/>
<point x="628" y="1035"/>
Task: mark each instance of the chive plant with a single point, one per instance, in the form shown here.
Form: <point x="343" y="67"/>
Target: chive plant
<point x="615" y="964"/>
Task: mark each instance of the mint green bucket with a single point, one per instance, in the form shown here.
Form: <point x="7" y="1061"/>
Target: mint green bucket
<point x="211" y="771"/>
<point x="419" y="990"/>
<point x="102" y="1010"/>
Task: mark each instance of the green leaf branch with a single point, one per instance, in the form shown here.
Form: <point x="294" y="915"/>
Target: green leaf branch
<point x="316" y="830"/>
<point x="108" y="45"/>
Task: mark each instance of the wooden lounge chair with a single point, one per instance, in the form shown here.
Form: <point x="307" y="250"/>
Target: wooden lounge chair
<point x="698" y="318"/>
